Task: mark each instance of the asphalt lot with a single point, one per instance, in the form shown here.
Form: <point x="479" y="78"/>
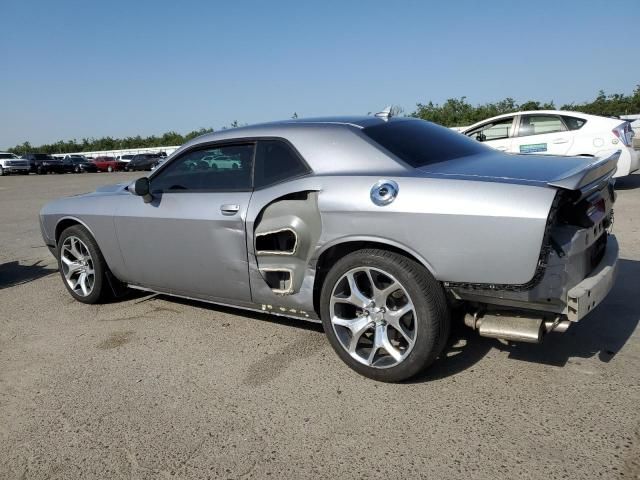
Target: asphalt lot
<point x="153" y="387"/>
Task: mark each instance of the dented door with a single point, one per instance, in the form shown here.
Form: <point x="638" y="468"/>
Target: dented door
<point x="283" y="229"/>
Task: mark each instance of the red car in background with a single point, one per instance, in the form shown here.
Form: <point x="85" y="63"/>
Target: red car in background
<point x="108" y="164"/>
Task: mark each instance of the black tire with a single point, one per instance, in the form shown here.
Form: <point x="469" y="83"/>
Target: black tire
<point x="1" y="171"/>
<point x="40" y="170"/>
<point x="431" y="312"/>
<point x="101" y="291"/>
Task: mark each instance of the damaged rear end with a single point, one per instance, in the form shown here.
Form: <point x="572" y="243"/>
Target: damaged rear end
<point x="576" y="269"/>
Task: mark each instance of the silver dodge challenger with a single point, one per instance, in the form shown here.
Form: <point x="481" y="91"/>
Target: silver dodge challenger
<point x="383" y="229"/>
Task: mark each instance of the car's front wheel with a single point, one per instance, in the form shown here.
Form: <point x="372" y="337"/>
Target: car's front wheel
<point x="82" y="266"/>
<point x="384" y="314"/>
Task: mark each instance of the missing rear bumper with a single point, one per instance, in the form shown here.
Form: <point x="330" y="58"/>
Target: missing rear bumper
<point x="591" y="291"/>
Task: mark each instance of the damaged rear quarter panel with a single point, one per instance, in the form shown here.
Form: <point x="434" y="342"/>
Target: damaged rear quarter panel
<point x="486" y="233"/>
<point x="270" y="213"/>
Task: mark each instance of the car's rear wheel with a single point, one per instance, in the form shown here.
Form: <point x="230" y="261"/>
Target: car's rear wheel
<point x="384" y="314"/>
<point x="40" y="170"/>
<point x="109" y="169"/>
<point x="82" y="266"/>
<point x="1" y="171"/>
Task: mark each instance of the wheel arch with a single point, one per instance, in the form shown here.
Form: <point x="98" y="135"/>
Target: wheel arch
<point x="333" y="251"/>
<point x="66" y="222"/>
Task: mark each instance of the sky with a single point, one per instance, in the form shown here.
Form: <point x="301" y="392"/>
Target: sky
<point x="74" y="69"/>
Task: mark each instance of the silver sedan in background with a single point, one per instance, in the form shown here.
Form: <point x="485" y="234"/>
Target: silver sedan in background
<point x="381" y="228"/>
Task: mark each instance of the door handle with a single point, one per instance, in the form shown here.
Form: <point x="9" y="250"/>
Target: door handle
<point x="229" y="208"/>
<point x="558" y="141"/>
<point x="502" y="149"/>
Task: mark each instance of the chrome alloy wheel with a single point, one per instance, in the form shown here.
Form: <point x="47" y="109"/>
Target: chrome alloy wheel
<point x="77" y="266"/>
<point x="373" y="317"/>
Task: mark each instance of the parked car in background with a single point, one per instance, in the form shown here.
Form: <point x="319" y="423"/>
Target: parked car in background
<point x="142" y="161"/>
<point x="125" y="158"/>
<point x="377" y="227"/>
<point x="75" y="155"/>
<point x="559" y="132"/>
<point x="42" y="163"/>
<point x="159" y="163"/>
<point x="10" y="163"/>
<point x="108" y="164"/>
<point x="79" y="164"/>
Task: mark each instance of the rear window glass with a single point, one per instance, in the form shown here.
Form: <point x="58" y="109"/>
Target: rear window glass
<point x="573" y="123"/>
<point x="421" y="143"/>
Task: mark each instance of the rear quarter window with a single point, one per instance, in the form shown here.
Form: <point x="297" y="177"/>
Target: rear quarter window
<point x="573" y="123"/>
<point x="276" y="162"/>
<point x="419" y="143"/>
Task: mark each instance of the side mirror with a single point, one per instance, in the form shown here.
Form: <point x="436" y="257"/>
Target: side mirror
<point x="142" y="189"/>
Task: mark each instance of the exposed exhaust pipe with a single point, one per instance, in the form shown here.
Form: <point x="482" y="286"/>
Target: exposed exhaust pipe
<point x="517" y="329"/>
<point x="511" y="328"/>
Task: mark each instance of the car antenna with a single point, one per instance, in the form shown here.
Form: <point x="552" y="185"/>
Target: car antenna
<point x="385" y="114"/>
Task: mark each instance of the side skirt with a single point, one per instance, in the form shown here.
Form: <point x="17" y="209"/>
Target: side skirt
<point x="252" y="307"/>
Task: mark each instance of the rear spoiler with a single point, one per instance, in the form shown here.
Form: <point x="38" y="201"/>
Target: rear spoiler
<point x="589" y="177"/>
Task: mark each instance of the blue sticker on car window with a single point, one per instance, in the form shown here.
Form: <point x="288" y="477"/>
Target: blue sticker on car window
<point x="533" y="148"/>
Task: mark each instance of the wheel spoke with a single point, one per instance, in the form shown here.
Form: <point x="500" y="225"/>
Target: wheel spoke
<point x="396" y="315"/>
<point x="393" y="318"/>
<point x="389" y="348"/>
<point x="380" y="295"/>
<point x="380" y="332"/>
<point x="73" y="269"/>
<point x="357" y="298"/>
<point x="74" y="249"/>
<point x="357" y="326"/>
<point x="82" y="280"/>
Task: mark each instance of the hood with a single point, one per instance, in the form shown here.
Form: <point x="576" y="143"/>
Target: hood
<point x="118" y="187"/>
<point x="526" y="169"/>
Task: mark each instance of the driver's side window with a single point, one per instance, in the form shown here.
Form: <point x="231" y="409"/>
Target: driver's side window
<point x="212" y="168"/>
<point x="496" y="130"/>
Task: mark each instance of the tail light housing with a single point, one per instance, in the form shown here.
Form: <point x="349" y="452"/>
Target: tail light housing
<point x="624" y="133"/>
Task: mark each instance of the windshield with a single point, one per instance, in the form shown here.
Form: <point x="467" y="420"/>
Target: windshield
<point x="42" y="156"/>
<point x="7" y="155"/>
<point x="421" y="143"/>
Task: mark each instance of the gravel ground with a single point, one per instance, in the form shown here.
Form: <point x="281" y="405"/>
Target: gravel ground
<point x="153" y="387"/>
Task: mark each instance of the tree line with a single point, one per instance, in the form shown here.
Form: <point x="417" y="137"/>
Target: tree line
<point x="454" y="112"/>
<point x="457" y="112"/>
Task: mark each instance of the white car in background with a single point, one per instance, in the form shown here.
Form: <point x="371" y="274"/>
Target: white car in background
<point x="556" y="132"/>
<point x="10" y="163"/>
<point x="125" y="158"/>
